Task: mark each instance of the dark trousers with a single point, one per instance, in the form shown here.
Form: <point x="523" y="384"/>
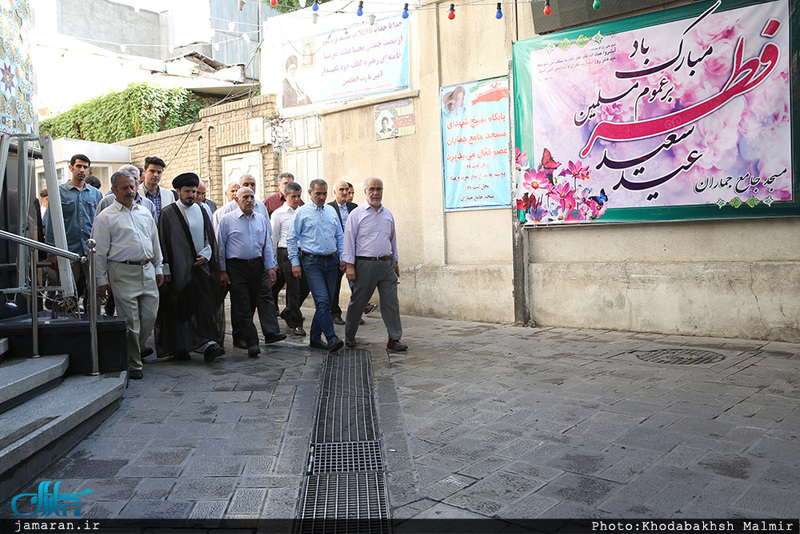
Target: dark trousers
<point x="246" y="283"/>
<point x="371" y="275"/>
<point x="336" y="310"/>
<point x="267" y="311"/>
<point x="296" y="289"/>
<point x="280" y="281"/>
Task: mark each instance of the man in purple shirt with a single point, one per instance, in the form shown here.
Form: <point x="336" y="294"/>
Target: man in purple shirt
<point x="370" y="254"/>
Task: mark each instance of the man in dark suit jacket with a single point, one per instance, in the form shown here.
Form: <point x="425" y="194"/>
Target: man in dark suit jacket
<point x="343" y="209"/>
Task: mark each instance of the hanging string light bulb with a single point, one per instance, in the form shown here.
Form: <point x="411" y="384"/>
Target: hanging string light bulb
<point x="547" y="8"/>
<point x="499" y="14"/>
<point x="273" y="3"/>
<point x="452" y="13"/>
<point x="360" y="10"/>
<point x="596" y="4"/>
<point x="315" y="7"/>
<point x="405" y="11"/>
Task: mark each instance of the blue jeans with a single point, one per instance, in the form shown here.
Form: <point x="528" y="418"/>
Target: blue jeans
<point x="320" y="274"/>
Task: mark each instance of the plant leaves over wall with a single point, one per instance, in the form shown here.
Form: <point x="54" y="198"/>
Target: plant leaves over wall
<point x="140" y="109"/>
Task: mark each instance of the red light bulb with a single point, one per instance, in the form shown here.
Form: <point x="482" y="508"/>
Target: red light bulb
<point x="273" y="2"/>
<point x="452" y="13"/>
<point x="547" y="8"/>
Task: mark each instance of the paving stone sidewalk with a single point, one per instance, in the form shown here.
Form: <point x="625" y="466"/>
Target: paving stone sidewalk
<point x="227" y="439"/>
<point x="477" y="421"/>
<point x="507" y="422"/>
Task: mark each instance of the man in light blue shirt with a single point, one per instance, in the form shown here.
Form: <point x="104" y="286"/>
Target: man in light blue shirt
<point x="79" y="202"/>
<point x="245" y="252"/>
<point x="316" y="230"/>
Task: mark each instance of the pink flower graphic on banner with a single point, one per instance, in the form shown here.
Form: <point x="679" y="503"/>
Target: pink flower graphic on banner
<point x="536" y="182"/>
<point x="574" y="170"/>
<point x="551" y="196"/>
<point x="564" y="195"/>
<point x="521" y="158"/>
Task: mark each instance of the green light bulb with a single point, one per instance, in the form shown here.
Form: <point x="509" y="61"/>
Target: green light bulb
<point x="596" y="4"/>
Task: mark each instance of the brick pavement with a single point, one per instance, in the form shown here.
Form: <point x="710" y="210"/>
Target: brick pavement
<point x="477" y="421"/>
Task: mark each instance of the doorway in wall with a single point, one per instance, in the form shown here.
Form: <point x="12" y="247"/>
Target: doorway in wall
<point x="233" y="167"/>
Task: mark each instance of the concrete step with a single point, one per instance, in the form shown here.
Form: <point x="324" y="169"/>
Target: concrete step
<point x="24" y="378"/>
<point x="43" y="429"/>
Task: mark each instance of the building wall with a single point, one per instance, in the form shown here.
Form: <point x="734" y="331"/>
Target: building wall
<point x="707" y="278"/>
<point x="729" y="278"/>
<point x="102" y="20"/>
<point x="453" y="265"/>
<point x="222" y="131"/>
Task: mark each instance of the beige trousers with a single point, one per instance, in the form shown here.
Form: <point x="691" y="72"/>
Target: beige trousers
<point x="136" y="297"/>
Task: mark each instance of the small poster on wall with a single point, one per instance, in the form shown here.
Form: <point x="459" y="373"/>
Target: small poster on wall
<point x="394" y="119"/>
<point x="475" y="141"/>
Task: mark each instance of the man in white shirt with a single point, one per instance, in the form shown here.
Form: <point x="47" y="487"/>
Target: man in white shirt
<point x="129" y="261"/>
<point x="296" y="288"/>
<point x="161" y="197"/>
<point x="192" y="292"/>
<point x="230" y="197"/>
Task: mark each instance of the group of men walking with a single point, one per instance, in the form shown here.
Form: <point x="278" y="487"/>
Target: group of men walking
<point x="168" y="259"/>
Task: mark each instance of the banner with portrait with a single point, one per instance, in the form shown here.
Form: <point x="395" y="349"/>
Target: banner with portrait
<point x="355" y="61"/>
<point x="475" y="141"/>
<point x="683" y="113"/>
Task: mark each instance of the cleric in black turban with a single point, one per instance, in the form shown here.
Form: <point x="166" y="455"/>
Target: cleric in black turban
<point x="189" y="179"/>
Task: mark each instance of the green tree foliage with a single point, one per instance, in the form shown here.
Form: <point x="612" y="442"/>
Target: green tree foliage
<point x="140" y="109"/>
<point x="287" y="6"/>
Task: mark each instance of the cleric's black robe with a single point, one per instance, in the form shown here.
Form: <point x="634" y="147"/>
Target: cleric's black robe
<point x="189" y="303"/>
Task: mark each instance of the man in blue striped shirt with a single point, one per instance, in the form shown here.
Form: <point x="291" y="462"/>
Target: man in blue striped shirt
<point x="316" y="230"/>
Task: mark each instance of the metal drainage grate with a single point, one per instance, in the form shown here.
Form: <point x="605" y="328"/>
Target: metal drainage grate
<point x="346" y="503"/>
<point x="680" y="356"/>
<point x="341" y="419"/>
<point x="347" y="374"/>
<point x="345" y="457"/>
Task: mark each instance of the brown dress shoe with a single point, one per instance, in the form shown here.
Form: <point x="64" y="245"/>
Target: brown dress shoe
<point x="350" y="343"/>
<point x="395" y="344"/>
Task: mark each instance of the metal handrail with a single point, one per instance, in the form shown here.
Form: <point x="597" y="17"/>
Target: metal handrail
<point x="55" y="251"/>
<point x="50" y="249"/>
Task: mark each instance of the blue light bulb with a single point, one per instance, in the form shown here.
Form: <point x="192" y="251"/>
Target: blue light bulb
<point x="315" y="7"/>
<point x="405" y="11"/>
<point x="499" y="14"/>
<point x="360" y="10"/>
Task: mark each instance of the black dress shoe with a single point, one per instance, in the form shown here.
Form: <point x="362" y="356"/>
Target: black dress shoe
<point x="335" y="345"/>
<point x="254" y="351"/>
<point x="239" y="344"/>
<point x="369" y="308"/>
<point x="395" y="344"/>
<point x="274" y="338"/>
<point x="213" y="352"/>
<point x="350" y="343"/>
<point x="182" y="356"/>
<point x="338" y="320"/>
<point x="298" y="331"/>
<point x="318" y="344"/>
<point x="136" y="374"/>
<point x="285" y="316"/>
